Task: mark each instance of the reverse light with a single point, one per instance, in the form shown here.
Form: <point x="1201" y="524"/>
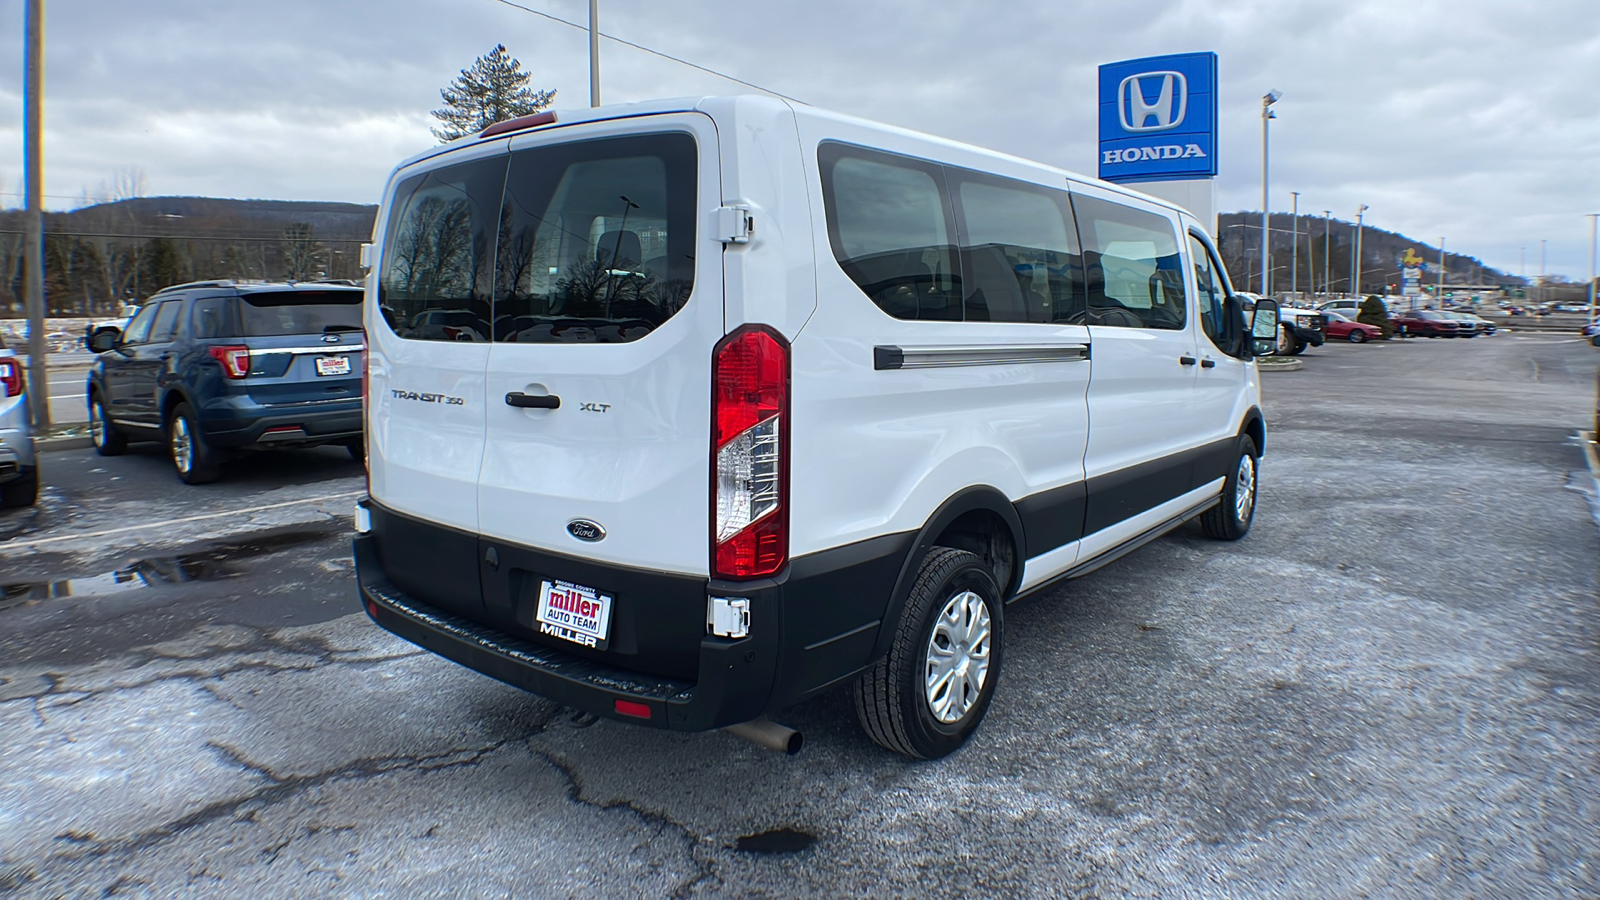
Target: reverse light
<point x="10" y="377"/>
<point x="235" y="360"/>
<point x="749" y="407"/>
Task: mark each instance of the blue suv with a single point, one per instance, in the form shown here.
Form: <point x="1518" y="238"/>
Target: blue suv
<point x="214" y="367"/>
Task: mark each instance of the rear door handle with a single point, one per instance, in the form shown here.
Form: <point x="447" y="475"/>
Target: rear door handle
<point x="1208" y="364"/>
<point x="1186" y="360"/>
<point x="533" y="401"/>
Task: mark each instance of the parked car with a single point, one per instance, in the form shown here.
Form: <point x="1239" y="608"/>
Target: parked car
<point x="1343" y="329"/>
<point x="843" y="413"/>
<point x="1471" y="324"/>
<point x="214" y="367"/>
<point x="19" y="462"/>
<point x="1426" y="323"/>
<point x="1347" y="307"/>
<point x="1591" y="329"/>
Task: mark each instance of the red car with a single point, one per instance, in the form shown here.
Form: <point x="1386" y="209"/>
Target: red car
<point x="1340" y="327"/>
<point x="1427" y="323"/>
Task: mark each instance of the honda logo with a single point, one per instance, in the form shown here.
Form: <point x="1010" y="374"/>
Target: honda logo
<point x="1166" y="113"/>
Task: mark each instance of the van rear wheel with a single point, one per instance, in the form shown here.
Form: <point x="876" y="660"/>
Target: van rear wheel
<point x="1230" y="519"/>
<point x="928" y="694"/>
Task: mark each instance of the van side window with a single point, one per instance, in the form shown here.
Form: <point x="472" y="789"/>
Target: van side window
<point x="1019" y="254"/>
<point x="890" y="230"/>
<point x="596" y="239"/>
<point x="1135" y="274"/>
<point x="436" y="278"/>
<point x="1209" y="291"/>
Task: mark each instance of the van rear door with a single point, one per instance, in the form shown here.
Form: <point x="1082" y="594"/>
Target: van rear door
<point x="428" y="348"/>
<point x="608" y="302"/>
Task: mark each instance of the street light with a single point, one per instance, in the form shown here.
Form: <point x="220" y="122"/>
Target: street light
<point x="1355" y="281"/>
<point x="1327" y="232"/>
<point x="1294" y="246"/>
<point x="1267" y="99"/>
<point x="1594" y="223"/>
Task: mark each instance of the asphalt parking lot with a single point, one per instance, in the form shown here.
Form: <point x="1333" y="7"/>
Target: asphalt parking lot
<point x="1390" y="688"/>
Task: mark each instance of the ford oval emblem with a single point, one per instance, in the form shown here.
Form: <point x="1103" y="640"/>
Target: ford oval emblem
<point x="585" y="530"/>
<point x="330" y="339"/>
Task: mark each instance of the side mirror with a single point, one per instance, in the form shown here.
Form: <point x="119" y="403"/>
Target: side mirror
<point x="1235" y="338"/>
<point x="104" y="338"/>
<point x="1264" y="328"/>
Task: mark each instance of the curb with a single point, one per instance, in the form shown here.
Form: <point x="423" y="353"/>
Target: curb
<point x="70" y="443"/>
<point x="1285" y="365"/>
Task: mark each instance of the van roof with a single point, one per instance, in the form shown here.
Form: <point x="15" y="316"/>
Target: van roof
<point x="736" y="103"/>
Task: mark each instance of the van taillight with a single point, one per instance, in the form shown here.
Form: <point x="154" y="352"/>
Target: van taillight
<point x="235" y="360"/>
<point x="11" y="377"/>
<point x="749" y="441"/>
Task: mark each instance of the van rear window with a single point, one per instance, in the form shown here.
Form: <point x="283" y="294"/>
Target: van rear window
<point x="299" y="312"/>
<point x="587" y="242"/>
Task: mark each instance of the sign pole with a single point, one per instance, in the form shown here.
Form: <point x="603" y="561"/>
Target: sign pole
<point x="33" y="145"/>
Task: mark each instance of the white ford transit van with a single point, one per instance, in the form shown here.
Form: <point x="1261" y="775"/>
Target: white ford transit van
<point x="682" y="412"/>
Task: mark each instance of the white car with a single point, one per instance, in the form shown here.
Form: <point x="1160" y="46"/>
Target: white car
<point x="779" y="400"/>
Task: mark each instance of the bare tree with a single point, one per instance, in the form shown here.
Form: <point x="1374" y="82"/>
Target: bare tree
<point x="300" y="251"/>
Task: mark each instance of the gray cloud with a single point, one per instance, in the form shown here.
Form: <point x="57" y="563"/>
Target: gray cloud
<point x="1471" y="119"/>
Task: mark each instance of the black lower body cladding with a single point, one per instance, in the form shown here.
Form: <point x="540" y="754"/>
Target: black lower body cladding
<point x="811" y="627"/>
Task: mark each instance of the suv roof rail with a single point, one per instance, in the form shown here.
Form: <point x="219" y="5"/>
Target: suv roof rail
<point x="220" y="282"/>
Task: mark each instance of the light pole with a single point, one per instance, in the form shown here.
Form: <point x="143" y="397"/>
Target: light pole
<point x="1327" y="241"/>
<point x="1294" y="246"/>
<point x="1594" y="244"/>
<point x="1542" y="242"/>
<point x="1438" y="294"/>
<point x="1267" y="99"/>
<point x="1355" y="281"/>
<point x="594" y="52"/>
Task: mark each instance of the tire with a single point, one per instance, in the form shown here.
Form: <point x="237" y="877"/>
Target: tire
<point x="1358" y="337"/>
<point x="1288" y="343"/>
<point x="952" y="594"/>
<point x="1230" y="520"/>
<point x="20" y="492"/>
<point x="195" y="461"/>
<point x="1299" y="347"/>
<point x="108" y="440"/>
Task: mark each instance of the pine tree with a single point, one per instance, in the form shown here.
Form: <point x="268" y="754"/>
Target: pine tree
<point x="1373" y="312"/>
<point x="493" y="90"/>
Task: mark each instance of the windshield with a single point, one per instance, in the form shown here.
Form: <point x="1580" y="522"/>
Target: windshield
<point x="270" y="314"/>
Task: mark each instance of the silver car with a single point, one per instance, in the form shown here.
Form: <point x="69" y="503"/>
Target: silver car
<point x="19" y="465"/>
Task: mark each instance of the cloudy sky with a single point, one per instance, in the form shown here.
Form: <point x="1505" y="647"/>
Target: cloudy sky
<point x="1475" y="120"/>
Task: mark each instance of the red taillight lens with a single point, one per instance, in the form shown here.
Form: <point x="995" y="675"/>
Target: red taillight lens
<point x="235" y="360"/>
<point x="632" y="708"/>
<point x="11" y="377"/>
<point x="749" y="443"/>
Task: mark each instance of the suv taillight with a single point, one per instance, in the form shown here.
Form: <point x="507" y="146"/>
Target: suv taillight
<point x="11" y="377"/>
<point x="235" y="360"/>
<point x="749" y="443"/>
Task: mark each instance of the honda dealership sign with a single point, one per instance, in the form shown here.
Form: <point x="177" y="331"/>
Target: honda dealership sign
<point x="1158" y="118"/>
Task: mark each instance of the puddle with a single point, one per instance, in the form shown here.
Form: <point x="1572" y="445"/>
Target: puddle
<point x="779" y="840"/>
<point x="212" y="564"/>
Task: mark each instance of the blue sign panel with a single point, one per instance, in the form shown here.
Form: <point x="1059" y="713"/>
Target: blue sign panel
<point x="1158" y="118"/>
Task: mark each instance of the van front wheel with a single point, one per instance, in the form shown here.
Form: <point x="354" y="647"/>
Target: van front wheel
<point x="928" y="694"/>
<point x="1230" y="519"/>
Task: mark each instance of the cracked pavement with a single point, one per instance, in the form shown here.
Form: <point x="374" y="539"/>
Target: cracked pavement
<point x="1391" y="688"/>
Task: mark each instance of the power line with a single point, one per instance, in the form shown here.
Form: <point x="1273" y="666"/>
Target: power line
<point x="188" y="237"/>
<point x="650" y="51"/>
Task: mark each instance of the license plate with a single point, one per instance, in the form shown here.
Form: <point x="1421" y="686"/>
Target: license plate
<point x="574" y="613"/>
<point x="333" y="365"/>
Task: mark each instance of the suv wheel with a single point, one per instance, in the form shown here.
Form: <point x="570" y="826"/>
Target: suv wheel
<point x="20" y="492"/>
<point x="194" y="459"/>
<point x="108" y="441"/>
<point x="1230" y="520"/>
<point x="927" y="695"/>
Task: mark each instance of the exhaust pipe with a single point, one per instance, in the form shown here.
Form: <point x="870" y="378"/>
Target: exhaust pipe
<point x="769" y="734"/>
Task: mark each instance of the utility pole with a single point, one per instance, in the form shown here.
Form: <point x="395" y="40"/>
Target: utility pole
<point x="1267" y="115"/>
<point x="1439" y="293"/>
<point x="594" y="52"/>
<point x="1541" y="269"/>
<point x="1294" y="247"/>
<point x="33" y="150"/>
<point x="1327" y="242"/>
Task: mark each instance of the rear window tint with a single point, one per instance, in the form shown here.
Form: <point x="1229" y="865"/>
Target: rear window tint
<point x="596" y="241"/>
<point x="269" y="314"/>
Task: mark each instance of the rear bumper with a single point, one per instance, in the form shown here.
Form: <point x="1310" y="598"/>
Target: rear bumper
<point x="812" y="627"/>
<point x="17" y="453"/>
<point x="286" y="427"/>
